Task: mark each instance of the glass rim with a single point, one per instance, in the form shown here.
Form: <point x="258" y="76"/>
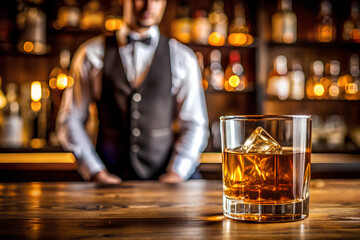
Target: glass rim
<point x="264" y="117"/>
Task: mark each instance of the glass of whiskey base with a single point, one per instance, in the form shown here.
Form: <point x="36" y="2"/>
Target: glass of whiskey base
<point x="266" y="167"/>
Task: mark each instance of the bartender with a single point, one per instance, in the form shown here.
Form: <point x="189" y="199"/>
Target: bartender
<point x="143" y="84"/>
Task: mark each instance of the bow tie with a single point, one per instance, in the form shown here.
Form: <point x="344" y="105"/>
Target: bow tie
<point x="145" y="41"/>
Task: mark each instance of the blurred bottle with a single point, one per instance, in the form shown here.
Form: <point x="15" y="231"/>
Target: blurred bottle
<point x="278" y="80"/>
<point x="351" y="27"/>
<point x="215" y="70"/>
<point x="200" y="27"/>
<point x="352" y="87"/>
<point x="235" y="79"/>
<point x="325" y="30"/>
<point x="215" y="135"/>
<point x="12" y="127"/>
<point x="297" y="81"/>
<point x="335" y="88"/>
<point x="314" y="87"/>
<point x="204" y="80"/>
<point x="239" y="30"/>
<point x="68" y="15"/>
<point x="31" y="21"/>
<point x="92" y="15"/>
<point x="284" y="23"/>
<point x="219" y="21"/>
<point x="317" y="129"/>
<point x="114" y="19"/>
<point x="181" y="25"/>
<point x="335" y="130"/>
<point x="36" y="107"/>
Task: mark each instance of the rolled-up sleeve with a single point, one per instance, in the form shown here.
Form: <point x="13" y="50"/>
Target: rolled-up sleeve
<point x="192" y="115"/>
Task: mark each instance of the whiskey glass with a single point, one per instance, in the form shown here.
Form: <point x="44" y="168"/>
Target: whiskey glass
<point x="266" y="167"/>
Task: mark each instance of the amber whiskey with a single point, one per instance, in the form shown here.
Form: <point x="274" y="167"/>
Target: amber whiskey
<point x="266" y="179"/>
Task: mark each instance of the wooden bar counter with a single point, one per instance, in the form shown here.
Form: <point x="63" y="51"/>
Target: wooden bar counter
<point x="153" y="210"/>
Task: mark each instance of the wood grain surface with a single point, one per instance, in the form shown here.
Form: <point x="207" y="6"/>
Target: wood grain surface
<point x="153" y="210"/>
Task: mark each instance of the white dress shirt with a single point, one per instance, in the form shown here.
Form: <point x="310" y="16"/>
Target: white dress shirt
<point x="86" y="67"/>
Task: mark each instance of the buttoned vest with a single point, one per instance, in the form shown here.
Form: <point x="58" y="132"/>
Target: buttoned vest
<point x="135" y="125"/>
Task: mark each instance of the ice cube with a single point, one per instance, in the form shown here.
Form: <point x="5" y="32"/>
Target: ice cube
<point x="261" y="142"/>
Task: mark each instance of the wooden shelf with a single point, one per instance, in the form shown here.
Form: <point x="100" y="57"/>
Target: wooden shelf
<point x="255" y="44"/>
<point x="223" y="92"/>
<point x="37" y="161"/>
<point x="317" y="45"/>
<point x="305" y="100"/>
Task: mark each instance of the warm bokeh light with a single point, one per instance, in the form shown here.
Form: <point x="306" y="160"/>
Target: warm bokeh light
<point x="334" y="90"/>
<point x="57" y="25"/>
<point x="39" y="47"/>
<point x="288" y="37"/>
<point x="234" y="81"/>
<point x="35" y="190"/>
<point x="37" y="143"/>
<point x="70" y="81"/>
<point x="35" y="91"/>
<point x="355" y="35"/>
<point x="325" y="34"/>
<point x="113" y="24"/>
<point x="3" y="100"/>
<point x="351" y="88"/>
<point x="205" y="84"/>
<point x="237" y="39"/>
<point x="46" y="93"/>
<point x="216" y="39"/>
<point x="250" y="39"/>
<point x="183" y="37"/>
<point x="61" y="81"/>
<point x="319" y="89"/>
<point x="52" y="83"/>
<point x="242" y="85"/>
<point x="28" y="46"/>
<point x="227" y="87"/>
<point x="343" y="80"/>
<point x="35" y="106"/>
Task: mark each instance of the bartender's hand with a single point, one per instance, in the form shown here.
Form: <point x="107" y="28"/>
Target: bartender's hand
<point x="106" y="177"/>
<point x="170" y="177"/>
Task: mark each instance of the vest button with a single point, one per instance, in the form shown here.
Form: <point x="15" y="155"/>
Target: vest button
<point x="135" y="148"/>
<point x="136" y="132"/>
<point x="136" y="114"/>
<point x="136" y="97"/>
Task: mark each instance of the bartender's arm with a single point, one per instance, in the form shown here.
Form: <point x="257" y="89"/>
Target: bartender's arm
<point x="192" y="114"/>
<point x="73" y="115"/>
